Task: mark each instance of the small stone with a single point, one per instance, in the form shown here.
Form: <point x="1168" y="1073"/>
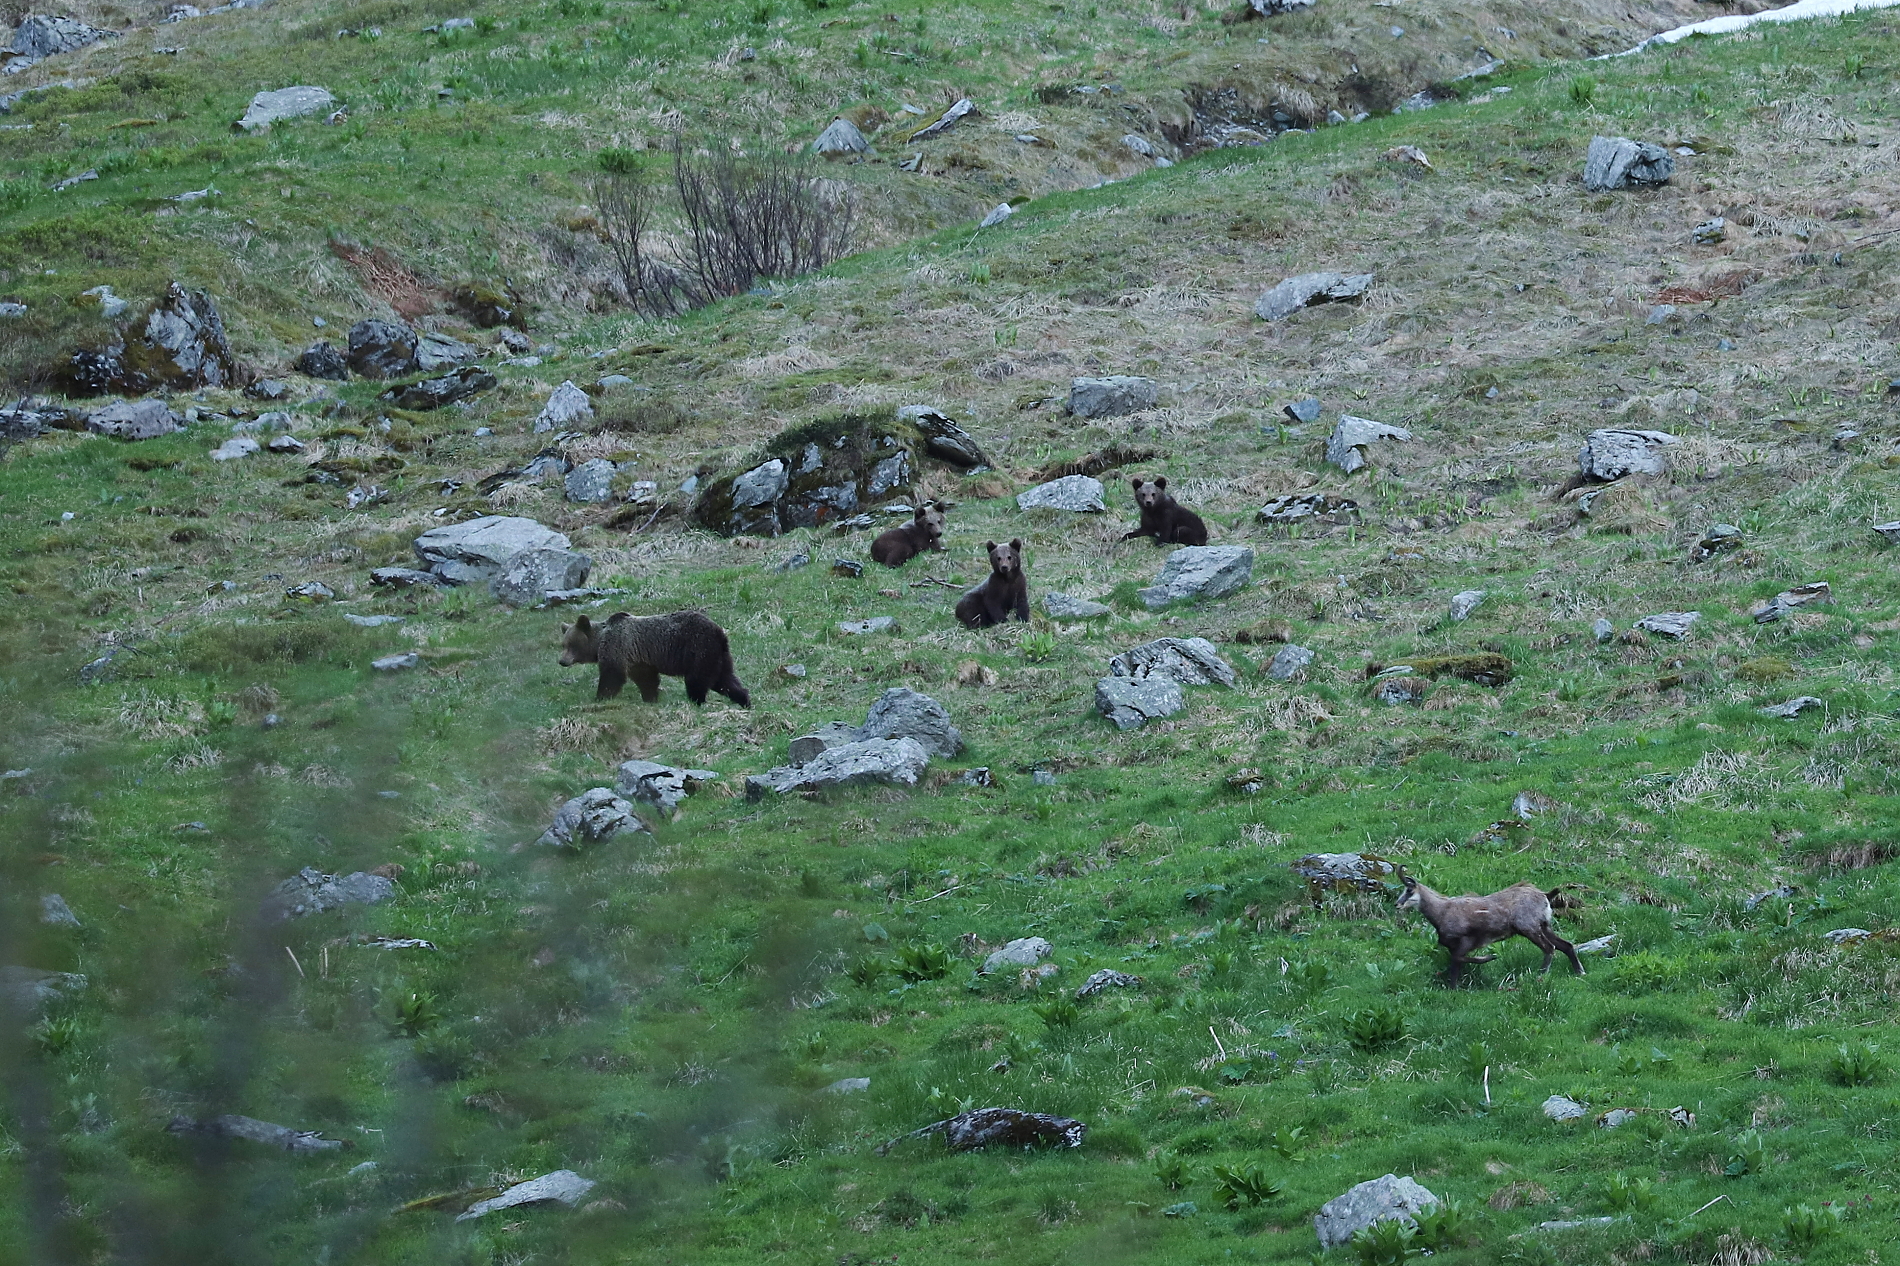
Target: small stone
<point x="1615" y="1117"/>
<point x="1297" y="506"/>
<point x="310" y="891"/>
<point x="435" y="393"/>
<point x="1792" y="708"/>
<point x="1132" y="702"/>
<point x="662" y="786"/>
<point x="1199" y="571"/>
<point x="1112" y="397"/>
<point x="848" y="1086"/>
<point x="1305" y="411"/>
<point x="251" y="1130"/>
<point x="1023" y="952"/>
<point x="1002" y="211"/>
<point x="1079" y="494"/>
<point x="762" y="485"/>
<point x="320" y="360"/>
<point x="1104" y="980"/>
<point x="1307" y="289"/>
<point x="396" y="663"/>
<point x="962" y="109"/>
<point x="310" y="591"/>
<point x="861" y="628"/>
<point x="1462" y="605"/>
<point x="563" y="1186"/>
<point x="850" y="568"/>
<point x="1602" y="630"/>
<point x="978" y="777"/>
<point x="1793" y="599"/>
<point x="1526" y="805"/>
<point x="54" y="912"/>
<point x="1289" y="662"/>
<point x="1060" y="606"/>
<point x="403" y="578"/>
<point x="1711" y="231"/>
<point x="1398" y="691"/>
<point x="797" y="672"/>
<point x="566" y="407"/>
<point x="1346" y="447"/>
<point x="1561" y="1108"/>
<point x="591" y="481"/>
<point x="371" y="621"/>
<point x="1616" y="162"/>
<point x="235" y="447"/>
<point x="1674" y="624"/>
<point x="1846" y="936"/>
<point x="1660" y="313"/>
<point x="285" y="444"/>
<point x="1043" y="777"/>
<point x="1720" y="538"/>
<point x="1612" y="453"/>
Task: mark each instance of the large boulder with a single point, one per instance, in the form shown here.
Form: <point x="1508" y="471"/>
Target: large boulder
<point x="320" y="360"/>
<point x="662" y="786"/>
<point x="134" y="420"/>
<point x="1346" y="447"/>
<point x="276" y="105"/>
<point x="593" y="817"/>
<point x="901" y="712"/>
<point x="1112" y="397"/>
<point x="1343" y="1217"/>
<point x="943" y="438"/>
<point x="1079" y="494"/>
<point x="591" y="481"/>
<point x="310" y="891"/>
<point x="1612" y="453"/>
<point x="1616" y="162"/>
<point x="820" y="473"/>
<point x="567" y="406"/>
<point x="40" y="35"/>
<point x="480" y="549"/>
<point x="178" y="343"/>
<point x="433" y="393"/>
<point x="1199" y="571"/>
<point x="1132" y="702"/>
<point x="1192" y="661"/>
<point x="892" y="762"/>
<point x="1307" y="289"/>
<point x="533" y="573"/>
<point x="382" y="349"/>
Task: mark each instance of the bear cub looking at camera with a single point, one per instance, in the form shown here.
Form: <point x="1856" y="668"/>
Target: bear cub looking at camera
<point x="1164" y="518"/>
<point x="1003" y="594"/>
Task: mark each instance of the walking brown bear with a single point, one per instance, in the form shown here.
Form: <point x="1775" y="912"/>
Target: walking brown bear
<point x="1003" y="594"/>
<point x="901" y="544"/>
<point x="645" y="648"/>
<point x="1164" y="518"/>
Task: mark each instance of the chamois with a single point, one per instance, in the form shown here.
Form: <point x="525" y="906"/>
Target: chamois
<point x="1469" y="923"/>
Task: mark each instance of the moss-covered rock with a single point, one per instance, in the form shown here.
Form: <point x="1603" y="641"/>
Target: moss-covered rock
<point x="1485" y="669"/>
<point x="816" y="473"/>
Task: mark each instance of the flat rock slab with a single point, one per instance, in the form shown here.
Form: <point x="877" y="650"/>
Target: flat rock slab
<point x="862" y="628"/>
<point x="434" y="393"/>
<point x="1343" y="872"/>
<point x="901" y="712"/>
<point x="1001" y="1127"/>
<point x="478" y="550"/>
<point x="889" y="762"/>
<point x="1378" y="1200"/>
<point x="1617" y="162"/>
<point x="1346" y="447"/>
<point x="1080" y="494"/>
<point x="943" y="438"/>
<point x="593" y="817"/>
<point x="1191" y="661"/>
<point x="403" y="578"/>
<point x="663" y="786"/>
<point x="310" y="891"/>
<point x="235" y="447"/>
<point x="1308" y="289"/>
<point x="1792" y="600"/>
<point x="134" y="420"/>
<point x="1792" y="708"/>
<point x="251" y="1130"/>
<point x="280" y="104"/>
<point x="1061" y="606"/>
<point x="563" y="1186"/>
<point x="1674" y="624"/>
<point x="827" y="736"/>
<point x="1199" y="571"/>
<point x="40" y="35"/>
<point x="1025" y="951"/>
<point x="1114" y="396"/>
<point x="396" y="663"/>
<point x="1612" y="452"/>
<point x="1132" y="703"/>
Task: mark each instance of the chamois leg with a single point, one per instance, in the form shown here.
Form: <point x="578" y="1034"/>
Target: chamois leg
<point x="1570" y="952"/>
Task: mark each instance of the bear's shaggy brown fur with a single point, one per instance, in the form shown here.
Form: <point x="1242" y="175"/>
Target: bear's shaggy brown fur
<point x="1164" y="518"/>
<point x="901" y="544"/>
<point x="1003" y="594"/>
<point x="682" y="644"/>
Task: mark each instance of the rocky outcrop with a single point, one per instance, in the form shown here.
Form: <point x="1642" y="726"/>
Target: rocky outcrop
<point x="1616" y="162"/>
<point x="178" y="344"/>
<point x="1307" y="289"/>
<point x="1112" y="397"/>
<point x="820" y="473"/>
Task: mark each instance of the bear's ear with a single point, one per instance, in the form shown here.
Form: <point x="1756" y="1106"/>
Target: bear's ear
<point x="1017" y="545"/>
<point x="1136" y="482"/>
<point x="1161" y="481"/>
<point x="989" y="547"/>
<point x="583" y="625"/>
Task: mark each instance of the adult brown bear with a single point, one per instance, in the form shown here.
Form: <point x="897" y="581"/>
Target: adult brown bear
<point x="645" y="648"/>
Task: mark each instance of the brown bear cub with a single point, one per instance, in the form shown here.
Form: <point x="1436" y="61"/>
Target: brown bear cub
<point x="901" y="544"/>
<point x="1164" y="518"/>
<point x="683" y="644"/>
<point x="1004" y="594"/>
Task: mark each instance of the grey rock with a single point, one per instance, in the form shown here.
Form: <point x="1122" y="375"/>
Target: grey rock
<point x="1308" y="289"/>
<point x="1190" y="661"/>
<point x="1378" y="1200"/>
<point x="1025" y="951"/>
<point x="22" y="424"/>
<point x="280" y="104"/>
<point x="320" y="360"/>
<point x="1397" y="691"/>
<point x="862" y="628"/>
<point x="1139" y="144"/>
<point x="12" y="310"/>
<point x="1199" y="571"/>
<point x="795" y="562"/>
<point x="1674" y="624"/>
<point x="371" y="621"/>
<point x="1305" y="411"/>
<point x="1612" y="453"/>
<point x="563" y="1186"/>
<point x="901" y="712"/>
<point x="111" y="306"/>
<point x="1131" y="703"/>
<point x="434" y="393"/>
<point x="1463" y="604"/>
<point x="997" y="214"/>
<point x="54" y="912"/>
<point x="1345" y="448"/>
<point x="1526" y="805"/>
<point x="382" y="349"/>
<point x="1793" y="600"/>
<point x="251" y="1130"/>
<point x="310" y="891"/>
<point x="1792" y="708"/>
<point x="663" y="786"/>
<point x="480" y="549"/>
<point x="25" y="990"/>
<point x="591" y="481"/>
<point x="1720" y="538"/>
<point x="1289" y="662"/>
<point x="1112" y="397"/>
<point x="1342" y="871"/>
<point x="1273" y="8"/>
<point x="892" y="762"/>
<point x="847" y="1086"/>
<point x="1597" y="945"/>
<point x="403" y="578"/>
<point x="1104" y="980"/>
<point x="1847" y="936"/>
<point x="1043" y="777"/>
<point x="1616" y="162"/>
<point x="978" y="777"/>
<point x="1889" y="531"/>
<point x="1709" y="232"/>
<point x="134" y="420"/>
<point x="1562" y="1108"/>
<point x="396" y="663"/>
<point x="841" y="138"/>
<point x="962" y="109"/>
<point x="1078" y="494"/>
<point x="1297" y="506"/>
<point x="310" y="591"/>
<point x="438" y="351"/>
<point x="1060" y="606"/>
<point x="534" y="573"/>
<point x="762" y="485"/>
<point x="1577" y="1224"/>
<point x="593" y="817"/>
<point x="1615" y="1117"/>
<point x="1778" y="893"/>
<point x="40" y="35"/>
<point x="1602" y="630"/>
<point x="285" y="444"/>
<point x="885" y="475"/>
<point x="807" y="747"/>
<point x="567" y="406"/>
<point x="235" y="447"/>
<point x="943" y="438"/>
<point x="269" y="389"/>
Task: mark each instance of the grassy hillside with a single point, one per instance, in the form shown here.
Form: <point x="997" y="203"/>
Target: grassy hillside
<point x="664" y="1016"/>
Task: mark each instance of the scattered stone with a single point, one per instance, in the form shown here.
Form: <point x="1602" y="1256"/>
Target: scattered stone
<point x="1190" y="661"/>
<point x="962" y="109"/>
<point x="1023" y="952"/>
<point x="861" y="628"/>
<point x="847" y="1086"/>
<point x="1597" y="945"/>
<point x="1792" y="708"/>
<point x="251" y="1130"/>
<point x="591" y="481"/>
<point x="1577" y="1224"/>
<point x="1343" y="872"/>
<point x="1112" y="397"/>
<point x="593" y="817"/>
<point x="1778" y="893"/>
<point x="268" y="389"/>
<point x="850" y="568"/>
<point x="997" y="214"/>
<point x="54" y="912"/>
<point x="1273" y="8"/>
<point x="1304" y="411"/>
<point x="894" y="762"/>
<point x="1199" y="571"/>
<point x="978" y="777"/>
<point x="1308" y="289"/>
<point x="534" y="573"/>
<point x="134" y="420"/>
<point x="1007" y="1127"/>
<point x="1709" y="232"/>
<point x="1079" y="494"/>
<point x="840" y="140"/>
<point x="480" y="549"/>
<point x="1463" y="604"/>
<point x="1720" y="538"/>
<point x="285" y="444"/>
<point x="1294" y="507"/>
<point x="1674" y="624"/>
<point x="1378" y="1200"/>
<point x="396" y="663"/>
<point x="310" y="891"/>
<point x="111" y="306"/>
<point x="1612" y="453"/>
<point x="12" y="310"/>
<point x="1560" y="1108"/>
<point x="567" y="406"/>
<point x="275" y="106"/>
<point x="1060" y="606"/>
<point x="382" y="349"/>
<point x="1526" y="805"/>
<point x="320" y="360"/>
<point x="1043" y="777"/>
<point x="1616" y="162"/>
<point x="438" y="351"/>
<point x="310" y="591"/>
<point x="371" y="621"/>
<point x="563" y="1186"/>
<point x="1131" y="703"/>
<point x="1289" y="662"/>
<point x="235" y="447"/>
<point x="662" y="786"/>
<point x="1791" y="600"/>
<point x="1406" y="154"/>
<point x="1397" y="691"/>
<point x="807" y="747"/>
<point x="1104" y="980"/>
<point x="27" y="989"/>
<point x="901" y="712"/>
<point x="403" y="578"/>
<point x="433" y="393"/>
<point x="1846" y="936"/>
<point x="1602" y="630"/>
<point x="795" y="562"/>
<point x="1615" y="1117"/>
<point x="943" y="438"/>
<point x="1346" y="447"/>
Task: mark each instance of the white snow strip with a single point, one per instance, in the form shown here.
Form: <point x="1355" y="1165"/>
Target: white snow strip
<point x="1798" y="12"/>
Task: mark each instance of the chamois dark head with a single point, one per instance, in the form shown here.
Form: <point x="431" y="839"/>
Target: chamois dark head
<point x="1409" y="899"/>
